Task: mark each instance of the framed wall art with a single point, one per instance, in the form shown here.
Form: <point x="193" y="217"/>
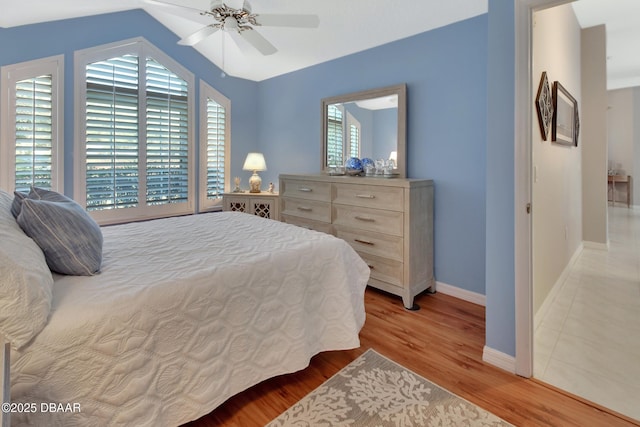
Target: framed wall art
<point x="544" y="106"/>
<point x="577" y="129"/>
<point x="565" y="125"/>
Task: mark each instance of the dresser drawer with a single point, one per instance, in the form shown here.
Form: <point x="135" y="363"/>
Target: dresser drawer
<point x="308" y="190"/>
<point x="373" y="243"/>
<point x="309" y="209"/>
<point x="383" y="269"/>
<point x="377" y="197"/>
<point x="389" y="222"/>
<point x="382" y="221"/>
<point x="309" y="224"/>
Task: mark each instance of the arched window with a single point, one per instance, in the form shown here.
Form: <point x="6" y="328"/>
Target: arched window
<point x="134" y="144"/>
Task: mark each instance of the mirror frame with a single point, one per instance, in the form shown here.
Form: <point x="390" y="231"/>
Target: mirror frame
<point x="399" y="90"/>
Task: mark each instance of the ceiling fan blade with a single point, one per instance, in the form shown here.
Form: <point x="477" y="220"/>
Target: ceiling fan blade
<point x="259" y="42"/>
<point x="299" y="21"/>
<point x="198" y="36"/>
<point x="186" y="12"/>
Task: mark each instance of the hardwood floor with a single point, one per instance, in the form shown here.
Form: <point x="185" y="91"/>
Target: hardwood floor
<point x="443" y="342"/>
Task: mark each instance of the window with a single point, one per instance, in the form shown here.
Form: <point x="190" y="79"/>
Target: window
<point x="353" y="126"/>
<point x="343" y="136"/>
<point x="31" y="123"/>
<point x="215" y="138"/>
<point x="111" y="168"/>
<point x="134" y="115"/>
<point x="335" y="155"/>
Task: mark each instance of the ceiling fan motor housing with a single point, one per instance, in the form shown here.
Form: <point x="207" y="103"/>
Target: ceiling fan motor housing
<point x="232" y="19"/>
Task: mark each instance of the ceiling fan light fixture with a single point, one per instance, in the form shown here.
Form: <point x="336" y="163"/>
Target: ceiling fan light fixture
<point x="230" y="23"/>
<point x="236" y="17"/>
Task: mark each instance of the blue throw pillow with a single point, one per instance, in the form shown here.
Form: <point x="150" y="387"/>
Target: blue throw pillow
<point x="16" y="205"/>
<point x="36" y="193"/>
<point x="69" y="238"/>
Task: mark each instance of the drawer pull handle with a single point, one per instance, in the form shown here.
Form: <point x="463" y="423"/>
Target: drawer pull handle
<point x="364" y="242"/>
<point x="366" y="196"/>
<point x="305" y="189"/>
<point x="304" y="208"/>
<point x="365" y="218"/>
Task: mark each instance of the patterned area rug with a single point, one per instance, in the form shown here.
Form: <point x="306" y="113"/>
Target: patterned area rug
<point x="374" y="391"/>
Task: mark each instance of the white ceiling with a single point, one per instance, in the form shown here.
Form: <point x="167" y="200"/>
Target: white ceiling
<point x="622" y="20"/>
<point x="346" y="26"/>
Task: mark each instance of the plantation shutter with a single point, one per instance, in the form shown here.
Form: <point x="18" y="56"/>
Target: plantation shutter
<point x="34" y="133"/>
<point x="116" y="166"/>
<point x="334" y="136"/>
<point x="354" y="141"/>
<point x="216" y="122"/>
<point x="167" y="148"/>
<point x="112" y="150"/>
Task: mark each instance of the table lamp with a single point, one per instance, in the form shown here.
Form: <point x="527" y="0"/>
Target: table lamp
<point x="394" y="158"/>
<point x="255" y="162"/>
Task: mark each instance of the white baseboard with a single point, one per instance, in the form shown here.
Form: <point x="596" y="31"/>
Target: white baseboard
<point x="460" y="293"/>
<point x="557" y="286"/>
<point x="596" y="245"/>
<point x="489" y="355"/>
<point x="499" y="359"/>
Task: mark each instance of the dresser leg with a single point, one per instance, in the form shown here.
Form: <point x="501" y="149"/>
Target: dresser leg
<point x="408" y="303"/>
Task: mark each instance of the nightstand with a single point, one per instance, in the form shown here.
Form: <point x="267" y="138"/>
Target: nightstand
<point x="262" y="204"/>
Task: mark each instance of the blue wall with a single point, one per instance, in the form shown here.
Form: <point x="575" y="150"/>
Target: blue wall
<point x="385" y="135"/>
<point x="460" y="114"/>
<point x="366" y="119"/>
<point x="500" y="227"/>
<point x="446" y="75"/>
<point x="29" y="42"/>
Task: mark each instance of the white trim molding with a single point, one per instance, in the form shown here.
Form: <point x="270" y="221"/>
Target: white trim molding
<point x="499" y="359"/>
<point x="523" y="28"/>
<point x="596" y="245"/>
<point x="460" y="293"/>
<point x="557" y="287"/>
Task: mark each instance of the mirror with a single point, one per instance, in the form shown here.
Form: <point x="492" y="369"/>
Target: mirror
<point x="368" y="124"/>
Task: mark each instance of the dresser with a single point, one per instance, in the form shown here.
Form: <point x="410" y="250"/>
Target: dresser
<point x="261" y="204"/>
<point x="389" y="222"/>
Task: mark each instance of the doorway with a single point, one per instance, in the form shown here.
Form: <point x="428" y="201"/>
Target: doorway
<point x="585" y="297"/>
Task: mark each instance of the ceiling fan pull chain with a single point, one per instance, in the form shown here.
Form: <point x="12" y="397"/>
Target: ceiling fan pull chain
<point x="223" y="74"/>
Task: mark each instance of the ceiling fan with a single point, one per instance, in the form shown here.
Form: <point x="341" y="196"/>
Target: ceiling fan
<point x="236" y="17"/>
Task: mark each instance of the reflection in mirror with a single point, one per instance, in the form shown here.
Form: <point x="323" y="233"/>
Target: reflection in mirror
<point x="369" y="124"/>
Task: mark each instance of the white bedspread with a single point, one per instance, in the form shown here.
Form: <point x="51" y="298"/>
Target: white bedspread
<point x="185" y="313"/>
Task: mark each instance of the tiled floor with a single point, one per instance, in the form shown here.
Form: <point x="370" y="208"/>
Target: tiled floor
<point x="588" y="342"/>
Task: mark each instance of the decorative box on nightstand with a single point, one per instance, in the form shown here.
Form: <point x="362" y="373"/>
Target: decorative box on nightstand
<point x="262" y="204"/>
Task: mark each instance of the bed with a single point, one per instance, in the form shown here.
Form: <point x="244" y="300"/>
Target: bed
<point x="185" y="313"/>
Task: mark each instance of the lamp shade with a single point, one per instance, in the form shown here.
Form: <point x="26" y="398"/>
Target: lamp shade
<point x="255" y="162"/>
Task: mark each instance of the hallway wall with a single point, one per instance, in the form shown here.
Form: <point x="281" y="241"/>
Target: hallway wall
<point x="623" y="137"/>
<point x="593" y="118"/>
<point x="557" y="181"/>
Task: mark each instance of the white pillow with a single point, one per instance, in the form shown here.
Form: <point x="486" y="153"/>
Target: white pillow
<point x="25" y="281"/>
